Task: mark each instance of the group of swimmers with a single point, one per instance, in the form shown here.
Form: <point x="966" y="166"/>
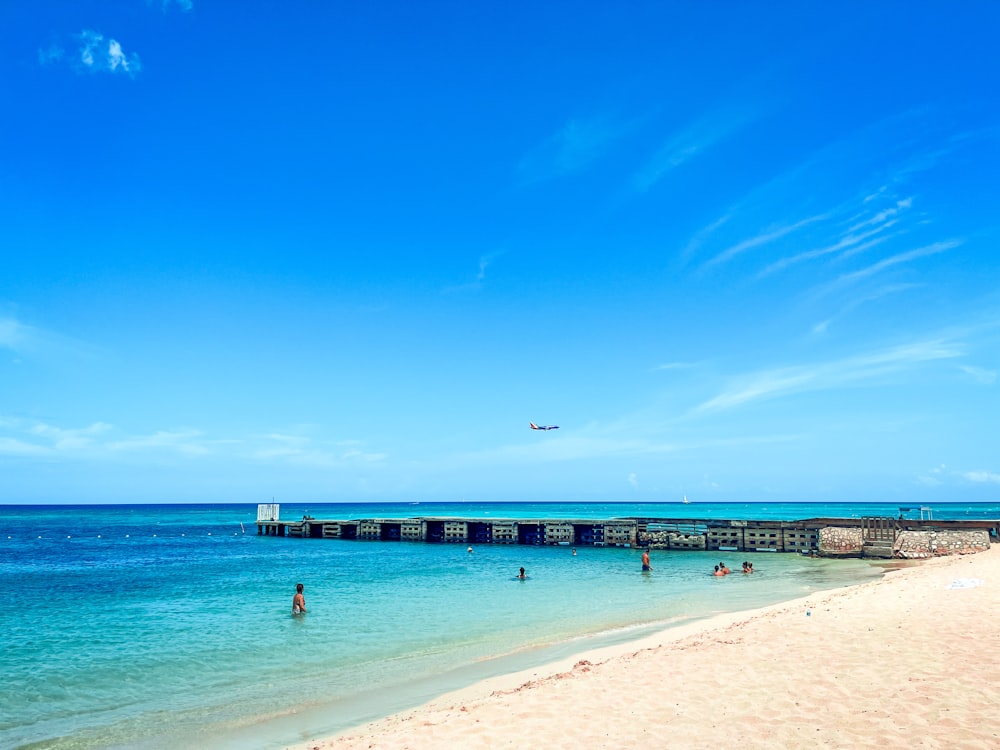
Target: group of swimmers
<point x="299" y="601"/>
<point x="722" y="570"/>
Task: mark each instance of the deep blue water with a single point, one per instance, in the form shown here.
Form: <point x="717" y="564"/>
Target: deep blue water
<point x="168" y="626"/>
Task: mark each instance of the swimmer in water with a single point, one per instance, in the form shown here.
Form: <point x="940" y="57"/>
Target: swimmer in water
<point x="298" y="601"/>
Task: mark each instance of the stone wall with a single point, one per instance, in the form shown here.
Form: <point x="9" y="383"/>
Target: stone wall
<point x="917" y="544"/>
<point x="839" y="541"/>
<point x="671" y="540"/>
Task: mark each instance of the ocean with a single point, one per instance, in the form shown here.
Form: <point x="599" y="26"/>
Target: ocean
<point x="169" y="626"/>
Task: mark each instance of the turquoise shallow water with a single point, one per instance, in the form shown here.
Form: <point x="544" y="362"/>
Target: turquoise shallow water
<point x="167" y="626"/>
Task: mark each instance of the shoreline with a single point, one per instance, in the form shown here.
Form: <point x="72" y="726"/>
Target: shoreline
<point x="866" y="662"/>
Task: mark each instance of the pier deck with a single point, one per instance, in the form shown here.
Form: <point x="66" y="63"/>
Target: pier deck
<point x="876" y="535"/>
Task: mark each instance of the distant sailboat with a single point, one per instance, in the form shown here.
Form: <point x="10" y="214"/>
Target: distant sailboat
<point x="686" y="501"/>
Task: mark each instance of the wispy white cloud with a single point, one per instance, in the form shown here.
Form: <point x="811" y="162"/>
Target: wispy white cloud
<point x="703" y="235"/>
<point x="589" y="444"/>
<point x="844" y="243"/>
<point x="939" y="475"/>
<point x="858" y="224"/>
<point x="301" y="450"/>
<point x="633" y="480"/>
<point x="572" y="149"/>
<point x="33" y="341"/>
<point x="189" y="442"/>
<point x="933" y="478"/>
<point x="95" y="53"/>
<point x="910" y="255"/>
<point x="856" y="239"/>
<point x="881" y="216"/>
<point x="70" y="439"/>
<point x="884" y="291"/>
<point x="769" y="235"/>
<point x="165" y="5"/>
<point x="781" y="190"/>
<point x="863" y="247"/>
<point x="477" y="283"/>
<point x="980" y="374"/>
<point x="675" y="366"/>
<point x="760" y="386"/>
<point x="28" y="437"/>
<point x="688" y="143"/>
<point x="775" y="383"/>
<point x="13" y="447"/>
<point x="484" y="261"/>
<point x="601" y="442"/>
<point x="14" y="334"/>
<point x="97" y="442"/>
<point x="982" y="476"/>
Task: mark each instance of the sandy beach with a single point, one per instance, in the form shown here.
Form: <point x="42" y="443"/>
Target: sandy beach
<point x="908" y="661"/>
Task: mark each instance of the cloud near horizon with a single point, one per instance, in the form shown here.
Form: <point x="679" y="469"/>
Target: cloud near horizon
<point x="299" y="450"/>
<point x="982" y="476"/>
<point x="32" y="439"/>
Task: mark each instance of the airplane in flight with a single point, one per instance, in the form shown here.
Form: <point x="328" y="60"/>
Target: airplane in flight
<point x="543" y="426"/>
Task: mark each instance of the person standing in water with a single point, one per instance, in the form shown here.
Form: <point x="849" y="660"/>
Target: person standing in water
<point x="521" y="574"/>
<point x="645" y="561"/>
<point x="298" y="601"/>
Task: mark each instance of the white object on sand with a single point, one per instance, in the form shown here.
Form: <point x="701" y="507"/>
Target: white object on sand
<point x="965" y="583"/>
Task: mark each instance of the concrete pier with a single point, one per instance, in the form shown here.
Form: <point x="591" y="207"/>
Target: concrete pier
<point x="835" y="537"/>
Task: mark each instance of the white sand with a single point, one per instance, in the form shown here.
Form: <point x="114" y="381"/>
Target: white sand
<point x="904" y="662"/>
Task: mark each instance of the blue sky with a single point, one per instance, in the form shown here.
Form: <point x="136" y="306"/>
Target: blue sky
<point x="345" y="252"/>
